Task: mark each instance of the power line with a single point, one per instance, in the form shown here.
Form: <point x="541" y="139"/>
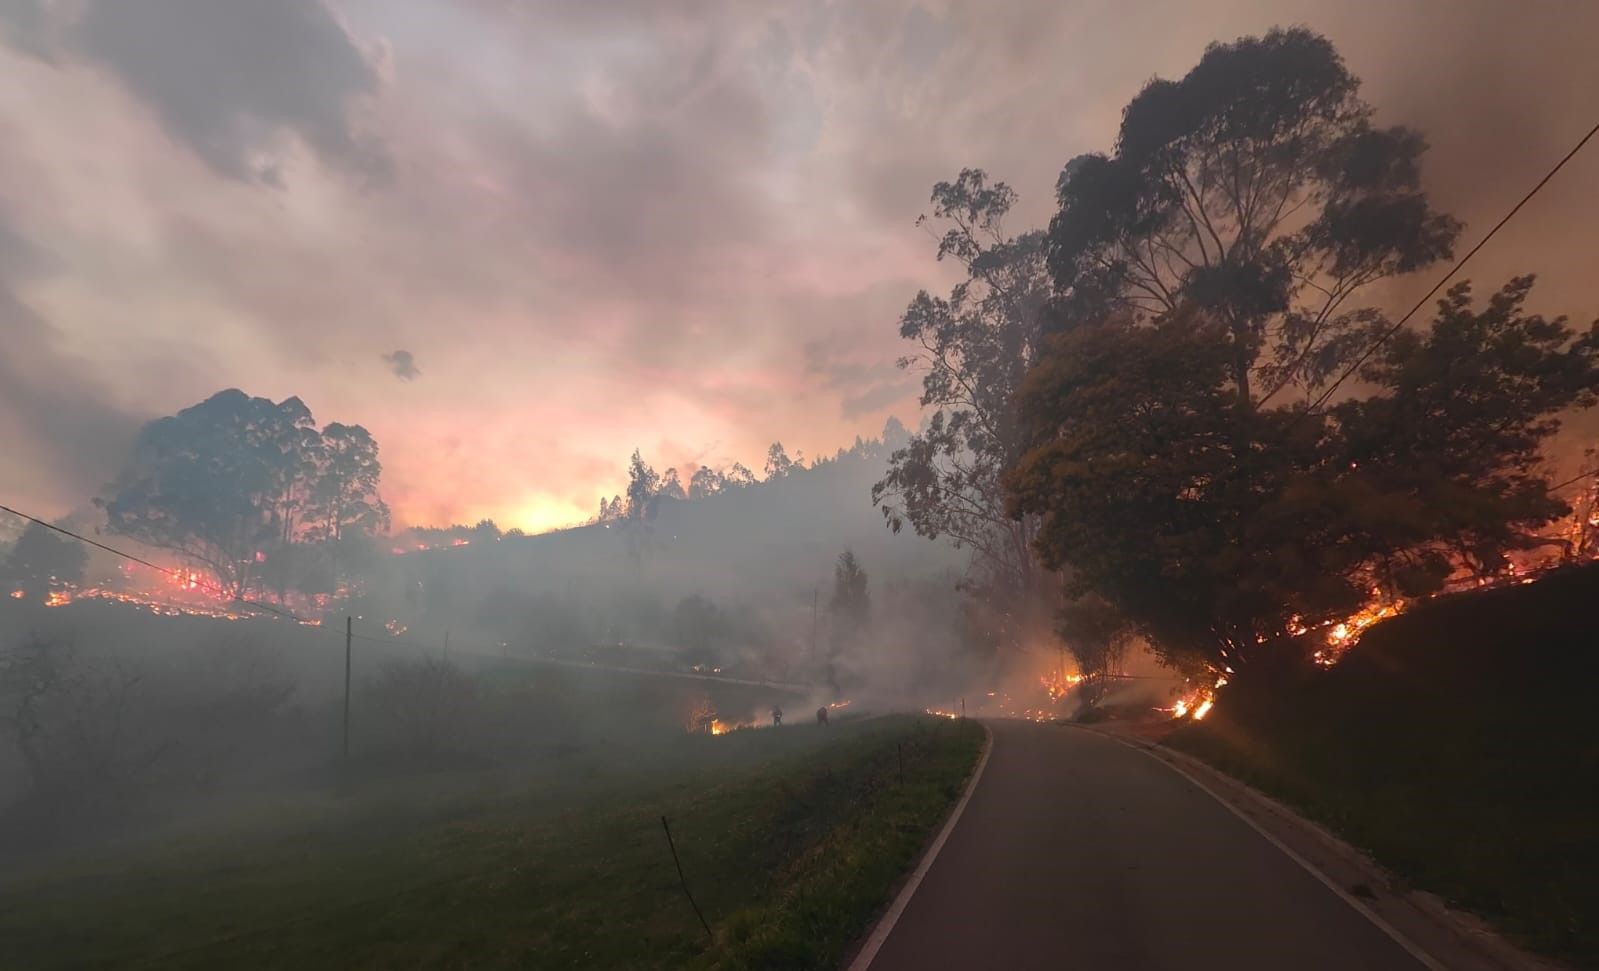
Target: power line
<point x="217" y="588"/>
<point x="1391" y="331"/>
<point x="176" y="574"/>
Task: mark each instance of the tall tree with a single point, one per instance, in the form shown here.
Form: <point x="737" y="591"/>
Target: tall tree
<point x="1214" y="527"/>
<point x="778" y="464"/>
<point x="236" y="482"/>
<point x="344" y="491"/>
<point x="850" y="603"/>
<point x="643" y="501"/>
<point x="706" y="482"/>
<point x="643" y="485"/>
<point x="610" y="510"/>
<point x="1256" y="191"/>
<point x="974" y="348"/>
<point x="216" y="482"/>
<point x="672" y="486"/>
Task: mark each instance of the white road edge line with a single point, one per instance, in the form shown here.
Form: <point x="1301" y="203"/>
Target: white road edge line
<point x="1410" y="946"/>
<point x="884" y="927"/>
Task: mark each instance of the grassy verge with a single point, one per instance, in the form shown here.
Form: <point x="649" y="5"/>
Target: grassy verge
<point x="791" y="840"/>
<point x="1456" y="744"/>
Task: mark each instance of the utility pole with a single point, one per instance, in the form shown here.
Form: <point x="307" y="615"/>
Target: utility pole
<point x="446" y="643"/>
<point x="349" y="635"/>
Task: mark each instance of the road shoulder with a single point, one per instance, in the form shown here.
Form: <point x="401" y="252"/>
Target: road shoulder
<point x="1450" y="938"/>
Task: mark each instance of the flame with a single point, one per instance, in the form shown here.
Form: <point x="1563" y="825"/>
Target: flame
<point x="1199" y="701"/>
<point x="703" y="719"/>
<point x="1344" y="634"/>
<point x="1057" y="684"/>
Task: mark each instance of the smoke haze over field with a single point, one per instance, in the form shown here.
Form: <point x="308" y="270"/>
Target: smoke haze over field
<point x="601" y="226"/>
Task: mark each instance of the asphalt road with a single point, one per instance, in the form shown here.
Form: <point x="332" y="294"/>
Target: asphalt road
<point x="1077" y="852"/>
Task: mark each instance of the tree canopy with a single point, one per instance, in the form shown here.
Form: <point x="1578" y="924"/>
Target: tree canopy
<point x="1215" y="527"/>
<point x="234" y="479"/>
<point x="1216" y="261"/>
<point x="1257" y="190"/>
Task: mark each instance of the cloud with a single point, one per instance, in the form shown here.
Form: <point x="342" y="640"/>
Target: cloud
<point x="402" y="364"/>
<point x="618" y="223"/>
<point x="231" y="79"/>
<point x="27" y="25"/>
<point x="865" y="383"/>
<point x="65" y="435"/>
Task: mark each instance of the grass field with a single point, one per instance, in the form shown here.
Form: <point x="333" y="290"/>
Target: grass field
<point x="791" y="840"/>
<point x="1457" y="744"/>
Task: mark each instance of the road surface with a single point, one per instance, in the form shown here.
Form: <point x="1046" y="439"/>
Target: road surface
<point x="1078" y="852"/>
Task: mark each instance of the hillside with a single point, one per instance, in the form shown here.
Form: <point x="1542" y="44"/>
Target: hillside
<point x="782" y="533"/>
<point x="757" y="560"/>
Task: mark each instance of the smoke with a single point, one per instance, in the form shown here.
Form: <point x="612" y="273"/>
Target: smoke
<point x="1502" y="92"/>
<point x="402" y="364"/>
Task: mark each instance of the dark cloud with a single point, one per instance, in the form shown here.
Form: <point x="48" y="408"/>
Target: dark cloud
<point x="650" y="192"/>
<point x="402" y="364"/>
<point x="228" y="78"/>
<point x="28" y="26"/>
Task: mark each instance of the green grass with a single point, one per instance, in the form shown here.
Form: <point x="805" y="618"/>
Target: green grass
<point x="1457" y="745"/>
<point x="791" y="841"/>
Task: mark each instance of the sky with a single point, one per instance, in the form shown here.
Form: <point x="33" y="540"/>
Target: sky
<point x="517" y="239"/>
